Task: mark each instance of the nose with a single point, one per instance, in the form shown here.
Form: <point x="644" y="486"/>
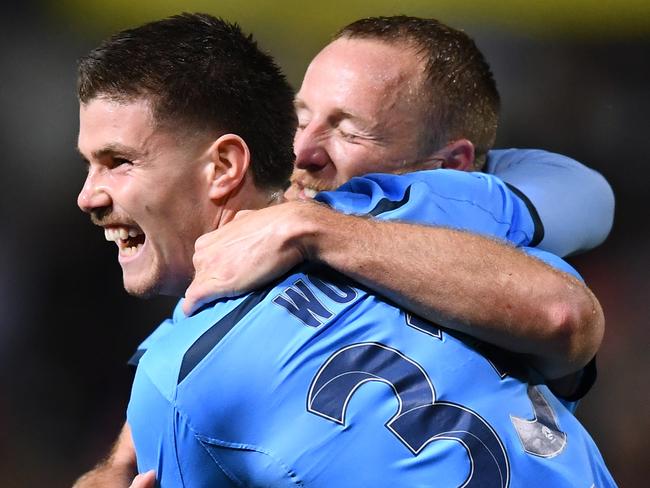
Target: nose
<point x="309" y="146"/>
<point x="93" y="194"/>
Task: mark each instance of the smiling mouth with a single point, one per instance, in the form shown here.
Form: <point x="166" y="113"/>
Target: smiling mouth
<point x="128" y="239"/>
<point x="308" y="186"/>
<point x="303" y="190"/>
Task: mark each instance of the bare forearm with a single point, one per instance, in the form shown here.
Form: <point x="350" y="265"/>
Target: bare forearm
<point x="117" y="470"/>
<point x="465" y="282"/>
<point x="105" y="476"/>
<point x="486" y="289"/>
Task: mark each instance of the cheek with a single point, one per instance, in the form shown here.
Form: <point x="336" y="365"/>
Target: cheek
<point x="155" y="209"/>
<point x="358" y="162"/>
<point x="126" y="193"/>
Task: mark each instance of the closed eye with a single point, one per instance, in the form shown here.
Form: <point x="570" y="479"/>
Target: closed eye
<point x="355" y="137"/>
<point x="348" y="136"/>
<point x="120" y="161"/>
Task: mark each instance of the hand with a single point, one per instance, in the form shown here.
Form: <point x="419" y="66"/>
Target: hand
<point x="144" y="480"/>
<point x="248" y="252"/>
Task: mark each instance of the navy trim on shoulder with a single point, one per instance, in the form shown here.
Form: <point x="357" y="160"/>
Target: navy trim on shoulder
<point x="386" y="205"/>
<point x="135" y="359"/>
<point x="538" y="235"/>
<point x="211" y="337"/>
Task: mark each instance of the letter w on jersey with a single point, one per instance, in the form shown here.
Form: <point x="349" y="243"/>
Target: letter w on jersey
<point x="303" y="301"/>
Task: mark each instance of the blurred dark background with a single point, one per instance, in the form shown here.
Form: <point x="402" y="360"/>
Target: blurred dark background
<point x="574" y="78"/>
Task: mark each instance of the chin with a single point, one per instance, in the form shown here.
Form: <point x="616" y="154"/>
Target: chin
<point x="141" y="291"/>
<point x="157" y="280"/>
<point x="141" y="287"/>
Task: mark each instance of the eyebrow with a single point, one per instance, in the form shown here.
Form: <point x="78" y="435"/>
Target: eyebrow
<point x="110" y="150"/>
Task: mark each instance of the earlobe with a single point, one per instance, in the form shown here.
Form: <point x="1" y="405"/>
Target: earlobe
<point x="229" y="159"/>
<point x="458" y="155"/>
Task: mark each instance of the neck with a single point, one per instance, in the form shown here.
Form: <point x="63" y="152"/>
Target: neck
<point x="247" y="197"/>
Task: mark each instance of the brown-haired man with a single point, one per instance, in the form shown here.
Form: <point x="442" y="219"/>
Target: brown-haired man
<point x="220" y="187"/>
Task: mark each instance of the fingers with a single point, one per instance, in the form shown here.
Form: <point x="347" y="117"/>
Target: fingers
<point x="144" y="480"/>
<point x="209" y="238"/>
<point x="243" y="213"/>
<point x="209" y="279"/>
<point x="241" y="256"/>
<point x="195" y="297"/>
<point x="190" y="306"/>
<point x="206" y="239"/>
<point x="204" y="289"/>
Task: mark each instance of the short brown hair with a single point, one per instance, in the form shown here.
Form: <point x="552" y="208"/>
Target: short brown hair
<point x="459" y="91"/>
<point x="201" y="72"/>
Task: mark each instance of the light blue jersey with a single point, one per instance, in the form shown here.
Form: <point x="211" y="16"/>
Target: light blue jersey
<point x="314" y="382"/>
<point x="575" y="203"/>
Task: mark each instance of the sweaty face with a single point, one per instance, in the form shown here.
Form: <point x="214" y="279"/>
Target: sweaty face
<point x="358" y="113"/>
<point x="146" y="190"/>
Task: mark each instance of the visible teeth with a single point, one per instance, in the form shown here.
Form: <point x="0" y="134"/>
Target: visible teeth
<point x="120" y="233"/>
<point x="129" y="251"/>
<point x="310" y="192"/>
<point x="111" y="234"/>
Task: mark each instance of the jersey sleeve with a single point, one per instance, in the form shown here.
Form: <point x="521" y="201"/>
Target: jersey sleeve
<point x="574" y="202"/>
<point x="473" y="202"/>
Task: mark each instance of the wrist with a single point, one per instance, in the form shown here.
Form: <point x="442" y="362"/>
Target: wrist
<point x="305" y="228"/>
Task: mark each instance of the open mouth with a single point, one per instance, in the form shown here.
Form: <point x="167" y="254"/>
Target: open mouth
<point x="128" y="239"/>
<point x="299" y="191"/>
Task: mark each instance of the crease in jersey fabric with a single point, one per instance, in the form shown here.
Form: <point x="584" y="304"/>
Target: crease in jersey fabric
<point x="224" y="469"/>
<point x="538" y="235"/>
<point x="176" y="453"/>
<point x="386" y="205"/>
<point x="211" y="337"/>
<point x="217" y="448"/>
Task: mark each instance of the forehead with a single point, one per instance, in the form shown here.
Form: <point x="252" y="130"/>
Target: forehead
<point x="104" y="122"/>
<point x="371" y="82"/>
<point x="362" y="68"/>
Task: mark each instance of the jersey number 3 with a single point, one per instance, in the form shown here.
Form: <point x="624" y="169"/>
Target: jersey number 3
<point x="419" y="419"/>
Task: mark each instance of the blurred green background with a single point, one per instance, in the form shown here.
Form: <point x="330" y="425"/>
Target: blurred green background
<point x="294" y="31"/>
<point x="574" y="79"/>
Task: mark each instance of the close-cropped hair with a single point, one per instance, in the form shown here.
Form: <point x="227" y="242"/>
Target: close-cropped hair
<point x="458" y="92"/>
<point x="200" y="73"/>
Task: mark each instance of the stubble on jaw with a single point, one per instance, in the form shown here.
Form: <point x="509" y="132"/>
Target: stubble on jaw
<point x="302" y="179"/>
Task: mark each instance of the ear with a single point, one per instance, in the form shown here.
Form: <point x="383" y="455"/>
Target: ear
<point x="458" y="155"/>
<point x="229" y="160"/>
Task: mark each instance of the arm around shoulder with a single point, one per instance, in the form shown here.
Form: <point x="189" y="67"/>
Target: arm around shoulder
<point x="473" y="284"/>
